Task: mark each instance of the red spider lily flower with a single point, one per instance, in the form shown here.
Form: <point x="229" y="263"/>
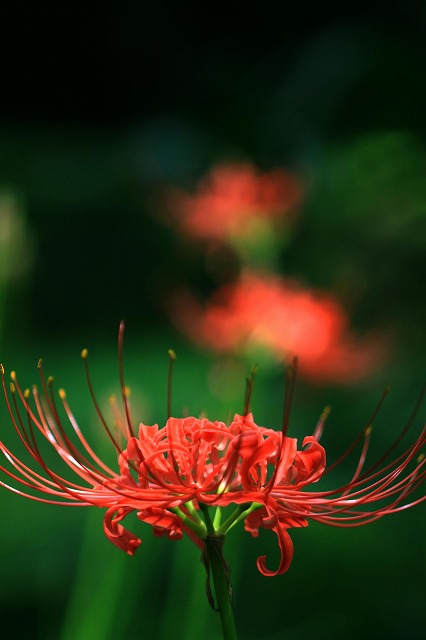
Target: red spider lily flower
<point x="283" y="319"/>
<point x="232" y="197"/>
<point x="171" y="476"/>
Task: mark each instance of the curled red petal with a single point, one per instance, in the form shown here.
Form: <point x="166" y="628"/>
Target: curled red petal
<point x="173" y="534"/>
<point x="269" y="521"/>
<point x="286" y="548"/>
<point x="161" y="519"/>
<point x="117" y="534"/>
<point x="310" y="464"/>
<point x="253" y="521"/>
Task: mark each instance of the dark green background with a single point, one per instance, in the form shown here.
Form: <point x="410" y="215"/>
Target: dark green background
<point x="101" y="108"/>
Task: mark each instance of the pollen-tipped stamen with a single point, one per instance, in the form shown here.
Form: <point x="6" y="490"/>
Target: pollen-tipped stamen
<point x="38" y="482"/>
<point x="84" y="356"/>
<point x="122" y="382"/>
<point x="321" y="423"/>
<point x="79" y="434"/>
<point x="402" y="434"/>
<point x="360" y="435"/>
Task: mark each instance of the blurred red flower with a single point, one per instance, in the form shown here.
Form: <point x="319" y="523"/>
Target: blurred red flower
<point x="283" y="318"/>
<point x="230" y="199"/>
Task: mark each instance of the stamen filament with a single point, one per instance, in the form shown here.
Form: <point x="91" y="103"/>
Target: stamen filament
<point x="124" y="388"/>
<point x="172" y="358"/>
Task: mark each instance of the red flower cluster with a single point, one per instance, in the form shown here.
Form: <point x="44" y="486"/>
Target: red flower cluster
<point x="198" y="461"/>
<point x="283" y="318"/>
<point x="171" y="475"/>
<point x="231" y="197"/>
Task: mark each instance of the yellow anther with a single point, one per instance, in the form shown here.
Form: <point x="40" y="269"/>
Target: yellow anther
<point x="112" y="399"/>
<point x="84" y="354"/>
<point x="1" y="369"/>
<point x="13" y="375"/>
<point x="172" y="354"/>
<point x="27" y="393"/>
<point x="62" y="394"/>
<point x="39" y="363"/>
<point x="368" y="430"/>
<point x="127" y="392"/>
<point x="420" y="458"/>
<point x="12" y="387"/>
<point x="50" y="380"/>
<point x="326" y="412"/>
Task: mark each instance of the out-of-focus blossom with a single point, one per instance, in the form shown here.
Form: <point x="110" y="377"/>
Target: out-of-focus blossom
<point x="16" y="242"/>
<point x="16" y="247"/>
<point x="172" y="476"/>
<point x="263" y="313"/>
<point x="235" y="201"/>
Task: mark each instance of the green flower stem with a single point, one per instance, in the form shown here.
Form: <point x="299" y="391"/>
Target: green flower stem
<point x="194" y="513"/>
<point x="217" y="518"/>
<point x="241" y="512"/>
<point x="207" y="517"/>
<point x="216" y="564"/>
<point x="199" y="528"/>
<point x="220" y="573"/>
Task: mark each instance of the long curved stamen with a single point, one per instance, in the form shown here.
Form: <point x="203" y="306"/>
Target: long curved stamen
<point x="124" y="393"/>
<point x="21" y="429"/>
<point x="45" y="386"/>
<point x="407" y="426"/>
<point x="399" y="464"/>
<point x="172" y="358"/>
<point x="350" y="517"/>
<point x="173" y="445"/>
<point x="361" y="460"/>
<point x="71" y="456"/>
<point x="249" y="390"/>
<point x="321" y="423"/>
<point x="70" y="490"/>
<point x="290" y="382"/>
<point x="289" y="385"/>
<point x="79" y="434"/>
<point x="62" y="436"/>
<point x="383" y="477"/>
<point x="84" y="356"/>
<point x="361" y="434"/>
<point x="366" y="490"/>
<point x="77" y="463"/>
<point x="343" y="508"/>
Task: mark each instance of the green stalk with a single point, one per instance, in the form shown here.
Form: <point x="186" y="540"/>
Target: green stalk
<point x="241" y="512"/>
<point x="216" y="564"/>
<point x="198" y="527"/>
<point x="220" y="573"/>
